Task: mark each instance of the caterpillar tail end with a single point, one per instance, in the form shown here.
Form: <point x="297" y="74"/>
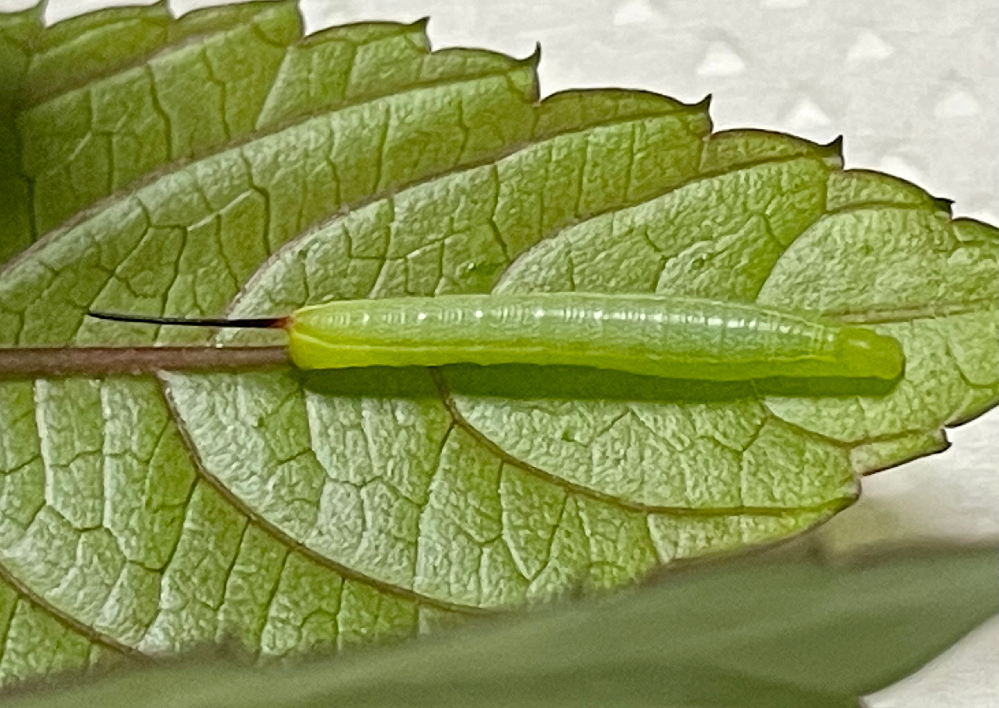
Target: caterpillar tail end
<point x="866" y="353"/>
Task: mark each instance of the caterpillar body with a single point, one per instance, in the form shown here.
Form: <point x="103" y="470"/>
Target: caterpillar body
<point x="650" y="335"/>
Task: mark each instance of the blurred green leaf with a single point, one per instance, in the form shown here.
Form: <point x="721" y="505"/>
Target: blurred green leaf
<point x="752" y="634"/>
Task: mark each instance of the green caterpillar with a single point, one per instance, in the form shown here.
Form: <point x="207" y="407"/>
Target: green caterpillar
<point x="650" y="335"/>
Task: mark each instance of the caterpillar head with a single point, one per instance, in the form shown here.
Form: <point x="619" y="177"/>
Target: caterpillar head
<point x="865" y="353"/>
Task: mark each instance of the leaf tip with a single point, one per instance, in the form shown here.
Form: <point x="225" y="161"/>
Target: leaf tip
<point x="534" y="58"/>
<point x="832" y="151"/>
<point x="164" y="7"/>
<point x="705" y="103"/>
<point x="421" y="24"/>
<point x="943" y="204"/>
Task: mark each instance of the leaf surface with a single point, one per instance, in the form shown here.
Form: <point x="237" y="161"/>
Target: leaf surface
<point x="222" y="162"/>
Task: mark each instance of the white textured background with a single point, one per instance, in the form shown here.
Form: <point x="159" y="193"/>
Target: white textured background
<point x="913" y="85"/>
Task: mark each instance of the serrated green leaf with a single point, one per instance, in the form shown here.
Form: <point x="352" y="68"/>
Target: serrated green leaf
<point x="249" y="169"/>
<point x="84" y="118"/>
<point x="761" y="634"/>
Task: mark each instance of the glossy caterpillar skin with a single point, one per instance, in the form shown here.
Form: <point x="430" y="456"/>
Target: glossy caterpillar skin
<point x="641" y="334"/>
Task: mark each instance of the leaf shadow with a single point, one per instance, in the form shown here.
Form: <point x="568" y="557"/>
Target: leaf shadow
<point x="531" y="382"/>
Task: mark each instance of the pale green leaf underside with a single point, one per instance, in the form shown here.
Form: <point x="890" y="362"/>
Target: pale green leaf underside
<point x="797" y="637"/>
<point x="222" y="162"/>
